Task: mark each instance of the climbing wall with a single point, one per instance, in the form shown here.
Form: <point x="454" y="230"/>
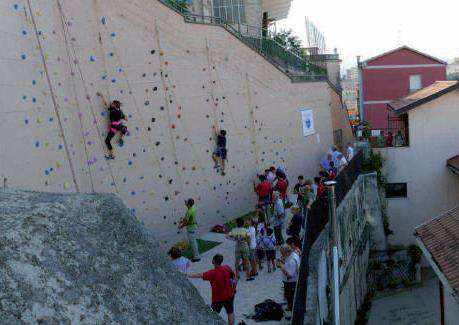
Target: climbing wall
<point x="175" y="80"/>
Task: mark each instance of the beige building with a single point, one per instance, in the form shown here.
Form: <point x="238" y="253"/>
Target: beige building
<point x="176" y="81"/>
<point x="452" y="69"/>
<point x="420" y="185"/>
<point x="253" y="13"/>
<point x="439" y="241"/>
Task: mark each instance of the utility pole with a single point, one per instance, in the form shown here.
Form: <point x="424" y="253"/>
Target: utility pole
<point x="334" y="243"/>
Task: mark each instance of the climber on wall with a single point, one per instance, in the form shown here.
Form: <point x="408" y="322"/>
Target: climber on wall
<point x="116" y="116"/>
<point x="219" y="155"/>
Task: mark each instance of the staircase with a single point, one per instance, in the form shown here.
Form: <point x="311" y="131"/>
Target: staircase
<point x="297" y="68"/>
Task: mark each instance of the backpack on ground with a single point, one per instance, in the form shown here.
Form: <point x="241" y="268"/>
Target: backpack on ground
<point x="268" y="310"/>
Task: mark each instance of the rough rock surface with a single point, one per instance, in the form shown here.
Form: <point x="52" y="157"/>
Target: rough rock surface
<point x="67" y="259"/>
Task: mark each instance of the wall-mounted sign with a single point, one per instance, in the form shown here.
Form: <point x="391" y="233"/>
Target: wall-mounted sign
<point x="307" y="120"/>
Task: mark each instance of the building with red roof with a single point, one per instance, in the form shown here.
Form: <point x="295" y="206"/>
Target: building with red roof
<point x="393" y="75"/>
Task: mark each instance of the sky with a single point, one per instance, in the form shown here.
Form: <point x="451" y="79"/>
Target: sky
<point x="369" y="28"/>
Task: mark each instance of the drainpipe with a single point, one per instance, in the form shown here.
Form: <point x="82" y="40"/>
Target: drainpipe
<point x="334" y="240"/>
<point x="361" y="98"/>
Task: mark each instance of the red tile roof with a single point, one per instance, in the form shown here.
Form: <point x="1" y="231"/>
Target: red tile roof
<point x="423" y="96"/>
<point x="453" y="163"/>
<point x="441" y="238"/>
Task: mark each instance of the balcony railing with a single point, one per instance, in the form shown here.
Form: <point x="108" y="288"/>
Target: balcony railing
<point x="296" y="65"/>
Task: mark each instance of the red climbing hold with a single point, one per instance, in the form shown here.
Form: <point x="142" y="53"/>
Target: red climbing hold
<point x="173" y="126"/>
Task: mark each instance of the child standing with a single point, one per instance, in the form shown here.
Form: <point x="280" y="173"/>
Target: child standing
<point x="269" y="244"/>
<point x="260" y="247"/>
<point x="181" y="263"/>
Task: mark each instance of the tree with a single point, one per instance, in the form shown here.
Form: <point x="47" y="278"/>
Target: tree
<point x="289" y="41"/>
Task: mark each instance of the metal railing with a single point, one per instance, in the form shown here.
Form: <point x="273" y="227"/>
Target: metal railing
<point x="297" y="66"/>
<point x="318" y="217"/>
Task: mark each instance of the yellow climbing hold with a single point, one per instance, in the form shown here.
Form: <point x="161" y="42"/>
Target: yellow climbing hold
<point x="152" y="193"/>
<point x="39" y="120"/>
<point x="46" y="144"/>
<point x="66" y="185"/>
<point x="58" y="164"/>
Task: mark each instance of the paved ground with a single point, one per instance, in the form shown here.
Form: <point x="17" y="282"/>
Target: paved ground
<point x="418" y="306"/>
<point x="265" y="286"/>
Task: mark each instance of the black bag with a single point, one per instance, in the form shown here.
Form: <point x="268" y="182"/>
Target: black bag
<point x="268" y="310"/>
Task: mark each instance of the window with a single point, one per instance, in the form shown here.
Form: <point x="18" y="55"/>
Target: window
<point x="231" y="11"/>
<point x="396" y="190"/>
<point x="415" y="82"/>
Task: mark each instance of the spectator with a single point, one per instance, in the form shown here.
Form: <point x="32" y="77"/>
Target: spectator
<point x="223" y="283"/>
<point x="241" y="249"/>
<point x="279" y="217"/>
<point x="263" y="190"/>
<point x="260" y="247"/>
<point x="350" y="151"/>
<point x="252" y="232"/>
<point x="189" y="221"/>
<point x="342" y="162"/>
<point x="333" y="171"/>
<point x="296" y="223"/>
<point x="399" y="141"/>
<point x="181" y="263"/>
<point x="298" y="189"/>
<point x="269" y="244"/>
<point x="270" y="177"/>
<point x="389" y="140"/>
<point x="290" y="271"/>
<point x="308" y="199"/>
<point x="335" y="154"/>
<point x="325" y="163"/>
<point x="320" y="188"/>
<point x="281" y="186"/>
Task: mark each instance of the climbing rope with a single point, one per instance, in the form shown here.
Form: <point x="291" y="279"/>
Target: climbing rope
<point x="91" y="106"/>
<point x="64" y="31"/>
<point x="53" y="96"/>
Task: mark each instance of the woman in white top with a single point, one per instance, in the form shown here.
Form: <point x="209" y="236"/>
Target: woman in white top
<point x="181" y="263"/>
<point x="251" y="231"/>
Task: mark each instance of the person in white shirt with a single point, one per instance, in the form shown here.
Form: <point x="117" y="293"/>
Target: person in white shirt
<point x="251" y="231"/>
<point x="290" y="270"/>
<point x="349" y="152"/>
<point x="279" y="218"/>
<point x="181" y="263"/>
<point x="342" y="162"/>
<point x="270" y="176"/>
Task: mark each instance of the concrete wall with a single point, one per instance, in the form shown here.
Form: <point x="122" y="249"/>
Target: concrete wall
<point x="175" y="81"/>
<point x="451" y="308"/>
<point x="432" y="188"/>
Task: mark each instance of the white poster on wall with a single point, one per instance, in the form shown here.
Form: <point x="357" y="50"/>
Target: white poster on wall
<point x="307" y="120"/>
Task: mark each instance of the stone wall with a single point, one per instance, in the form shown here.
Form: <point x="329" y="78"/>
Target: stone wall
<point x="175" y="80"/>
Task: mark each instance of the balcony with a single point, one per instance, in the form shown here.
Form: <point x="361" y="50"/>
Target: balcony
<point x="396" y="135"/>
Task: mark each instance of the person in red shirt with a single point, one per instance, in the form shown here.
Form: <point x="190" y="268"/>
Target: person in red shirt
<point x="223" y="282"/>
<point x="281" y="186"/>
<point x="263" y="190"/>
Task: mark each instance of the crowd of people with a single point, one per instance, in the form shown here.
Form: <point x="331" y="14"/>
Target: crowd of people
<point x="259" y="242"/>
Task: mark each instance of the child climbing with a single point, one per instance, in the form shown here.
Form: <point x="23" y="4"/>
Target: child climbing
<point x="219" y="155"/>
<point x="116" y="116"/>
